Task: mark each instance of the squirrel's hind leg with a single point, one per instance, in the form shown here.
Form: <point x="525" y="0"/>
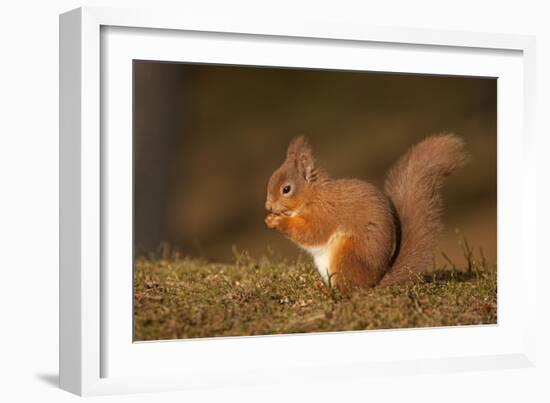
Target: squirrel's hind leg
<point x="350" y="267"/>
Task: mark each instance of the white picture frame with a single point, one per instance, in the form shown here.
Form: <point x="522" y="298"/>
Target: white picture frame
<point x="96" y="354"/>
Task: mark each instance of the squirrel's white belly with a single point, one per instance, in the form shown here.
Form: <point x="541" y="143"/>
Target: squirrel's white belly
<point x="322" y="255"/>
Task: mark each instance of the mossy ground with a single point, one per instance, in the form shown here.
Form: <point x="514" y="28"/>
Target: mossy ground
<point x="182" y="298"/>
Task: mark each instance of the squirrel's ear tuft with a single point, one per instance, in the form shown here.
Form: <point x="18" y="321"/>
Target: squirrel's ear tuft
<point x="300" y="152"/>
<point x="295" y="146"/>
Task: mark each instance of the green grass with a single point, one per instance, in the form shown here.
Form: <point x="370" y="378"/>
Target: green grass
<point x="180" y="298"/>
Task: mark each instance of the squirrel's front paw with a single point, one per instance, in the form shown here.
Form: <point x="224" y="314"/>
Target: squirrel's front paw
<point x="272" y="220"/>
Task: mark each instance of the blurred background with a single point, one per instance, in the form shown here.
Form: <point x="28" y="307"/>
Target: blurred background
<point x="208" y="137"/>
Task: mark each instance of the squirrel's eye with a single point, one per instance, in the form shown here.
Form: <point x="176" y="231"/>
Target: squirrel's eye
<point x="286" y="189"/>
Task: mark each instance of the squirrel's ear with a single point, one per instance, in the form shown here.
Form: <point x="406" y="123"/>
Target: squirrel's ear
<point x="300" y="152"/>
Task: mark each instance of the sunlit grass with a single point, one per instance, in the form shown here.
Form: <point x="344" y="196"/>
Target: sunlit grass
<point x="184" y="298"/>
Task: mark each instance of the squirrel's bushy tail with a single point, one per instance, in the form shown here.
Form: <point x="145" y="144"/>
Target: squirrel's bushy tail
<point x="413" y="185"/>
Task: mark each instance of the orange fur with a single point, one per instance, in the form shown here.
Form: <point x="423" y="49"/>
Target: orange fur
<point x="296" y="228"/>
<point x="349" y="268"/>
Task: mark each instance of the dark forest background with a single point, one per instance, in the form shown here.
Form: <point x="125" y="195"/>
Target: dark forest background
<point x="207" y="138"/>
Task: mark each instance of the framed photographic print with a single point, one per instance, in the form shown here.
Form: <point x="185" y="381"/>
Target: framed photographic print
<point x="250" y="202"/>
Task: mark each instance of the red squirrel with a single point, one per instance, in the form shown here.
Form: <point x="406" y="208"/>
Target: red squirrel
<point x="358" y="235"/>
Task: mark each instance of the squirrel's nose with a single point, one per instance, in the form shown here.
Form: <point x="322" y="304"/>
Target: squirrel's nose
<point x="268" y="205"/>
